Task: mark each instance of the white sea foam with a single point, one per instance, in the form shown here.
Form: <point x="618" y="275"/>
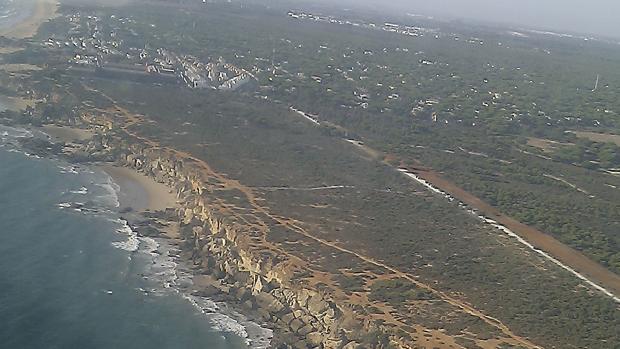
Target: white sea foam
<point x="221" y="322"/>
<point x="10" y="137"/>
<point x="112" y="190"/>
<point x="64" y="205"/>
<point x="81" y="191"/>
<point x="33" y="156"/>
<point x="68" y="169"/>
<point x="162" y="269"/>
<point x="131" y="243"/>
<point x="224" y="319"/>
<point x="171" y="277"/>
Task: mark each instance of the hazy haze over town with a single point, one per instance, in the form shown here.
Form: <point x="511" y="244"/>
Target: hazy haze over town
<point x="599" y="17"/>
<point x="596" y="17"/>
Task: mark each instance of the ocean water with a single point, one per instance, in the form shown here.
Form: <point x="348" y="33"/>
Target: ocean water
<point x="73" y="275"/>
<point x="13" y="11"/>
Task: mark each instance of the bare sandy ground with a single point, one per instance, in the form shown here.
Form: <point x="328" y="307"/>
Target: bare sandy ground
<point x="15" y="103"/>
<point x="67" y="134"/>
<point x="137" y="191"/>
<point x="44" y="10"/>
<point x="17" y="68"/>
<point x="565" y="254"/>
<point x="598" y="137"/>
<point x="7" y="50"/>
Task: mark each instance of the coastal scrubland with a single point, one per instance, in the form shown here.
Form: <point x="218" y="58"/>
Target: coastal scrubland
<point x="417" y="266"/>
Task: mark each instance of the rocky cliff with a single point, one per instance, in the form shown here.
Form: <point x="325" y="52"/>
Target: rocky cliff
<point x="220" y="246"/>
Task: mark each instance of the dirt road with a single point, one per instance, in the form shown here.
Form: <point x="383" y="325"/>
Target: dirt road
<point x="545" y="242"/>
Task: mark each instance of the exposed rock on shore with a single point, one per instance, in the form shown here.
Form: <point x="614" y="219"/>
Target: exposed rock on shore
<point x="218" y="246"/>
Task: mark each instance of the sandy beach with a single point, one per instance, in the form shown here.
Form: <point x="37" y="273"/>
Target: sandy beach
<point x="137" y="191"/>
<point x="43" y="11"/>
<point x="67" y="134"/>
<point x="140" y="192"/>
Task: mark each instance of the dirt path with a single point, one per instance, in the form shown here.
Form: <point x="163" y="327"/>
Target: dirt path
<point x="442" y="295"/>
<point x="565" y="254"/>
<point x="250" y="195"/>
<point x="228" y="183"/>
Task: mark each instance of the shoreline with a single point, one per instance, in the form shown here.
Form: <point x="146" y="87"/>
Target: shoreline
<point x="140" y="195"/>
<point x="42" y="11"/>
<point x="145" y="196"/>
<point x="66" y="134"/>
<point x="138" y="191"/>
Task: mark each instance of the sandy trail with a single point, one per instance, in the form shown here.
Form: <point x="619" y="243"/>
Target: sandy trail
<point x="251" y="197"/>
<point x="565" y="254"/>
<point x="581" y="265"/>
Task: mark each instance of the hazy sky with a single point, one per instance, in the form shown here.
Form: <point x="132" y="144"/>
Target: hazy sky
<point x="583" y="16"/>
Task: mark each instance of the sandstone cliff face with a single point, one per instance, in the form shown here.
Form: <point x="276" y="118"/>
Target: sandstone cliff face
<point x="219" y="246"/>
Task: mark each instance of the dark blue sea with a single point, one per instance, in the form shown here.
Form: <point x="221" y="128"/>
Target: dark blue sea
<point x="74" y="275"/>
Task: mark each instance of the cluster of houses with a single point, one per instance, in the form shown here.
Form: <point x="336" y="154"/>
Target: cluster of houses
<point x="91" y="44"/>
<point x="425" y="106"/>
<point x="98" y="42"/>
<point x="195" y="74"/>
<point x="407" y="30"/>
<point x="95" y="42"/>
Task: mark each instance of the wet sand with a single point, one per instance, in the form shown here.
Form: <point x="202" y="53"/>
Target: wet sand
<point x="140" y="192"/>
<point x="137" y="191"/>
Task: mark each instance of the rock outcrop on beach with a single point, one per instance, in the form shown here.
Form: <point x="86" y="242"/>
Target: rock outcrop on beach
<point x="220" y="246"/>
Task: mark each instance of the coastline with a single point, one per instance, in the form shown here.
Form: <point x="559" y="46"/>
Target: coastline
<point x="141" y="194"/>
<point x="78" y="268"/>
<point x="145" y="206"/>
<point x="138" y="191"/>
<point x="43" y="11"/>
<point x="67" y="134"/>
<point x="230" y="308"/>
<point x="136" y="194"/>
